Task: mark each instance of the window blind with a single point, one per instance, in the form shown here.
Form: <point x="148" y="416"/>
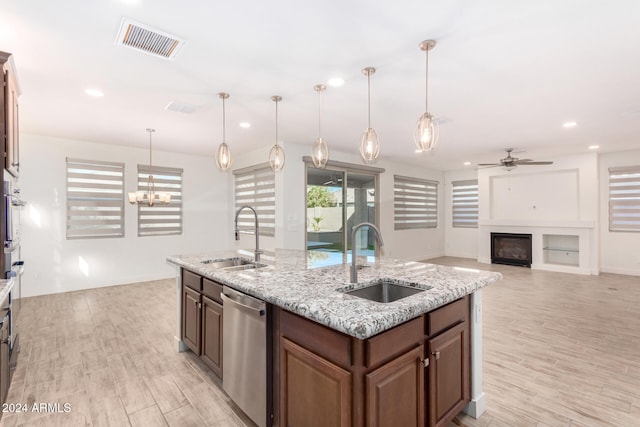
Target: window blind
<point x="256" y="187"/>
<point x="161" y="219"/>
<point x="464" y="201"/>
<point x="95" y="199"/>
<point x="624" y="198"/>
<point x="415" y="203"/>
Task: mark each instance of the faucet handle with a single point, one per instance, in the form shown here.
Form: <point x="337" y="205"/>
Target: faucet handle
<point x="237" y="235"/>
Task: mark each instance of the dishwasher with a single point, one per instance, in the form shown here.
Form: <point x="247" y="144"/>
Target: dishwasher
<point x="244" y="353"/>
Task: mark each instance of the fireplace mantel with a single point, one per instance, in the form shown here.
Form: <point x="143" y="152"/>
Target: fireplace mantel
<point x="530" y="223"/>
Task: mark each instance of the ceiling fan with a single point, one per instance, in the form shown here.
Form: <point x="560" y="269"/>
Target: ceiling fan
<point x="511" y="162"/>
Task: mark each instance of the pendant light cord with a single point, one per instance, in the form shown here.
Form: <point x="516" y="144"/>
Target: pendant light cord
<point x="320" y="113"/>
<point x="276" y="123"/>
<point x="150" y="151"/>
<point x="369" y="96"/>
<point x="224" y="121"/>
<point x="426" y="83"/>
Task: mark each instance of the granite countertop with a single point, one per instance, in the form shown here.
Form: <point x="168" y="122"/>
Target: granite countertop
<point x="6" y="285"/>
<point x="306" y="283"/>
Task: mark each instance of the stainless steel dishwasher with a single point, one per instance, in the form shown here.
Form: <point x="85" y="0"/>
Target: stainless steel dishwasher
<point x="244" y="353"/>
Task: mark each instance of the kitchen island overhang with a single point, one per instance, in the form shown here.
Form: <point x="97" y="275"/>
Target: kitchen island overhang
<point x="295" y="281"/>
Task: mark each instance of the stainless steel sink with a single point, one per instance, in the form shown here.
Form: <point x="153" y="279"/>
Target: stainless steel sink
<point x="235" y="263"/>
<point x="385" y="290"/>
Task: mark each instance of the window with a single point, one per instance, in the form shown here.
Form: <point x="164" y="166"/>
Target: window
<point x="95" y="199"/>
<point x="624" y="198"/>
<point x="415" y="203"/>
<point x="256" y="187"/>
<point x="465" y="203"/>
<point x="161" y="219"/>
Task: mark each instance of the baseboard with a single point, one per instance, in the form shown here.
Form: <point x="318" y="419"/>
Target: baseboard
<point x="180" y="345"/>
<point x="484" y="260"/>
<point x="477" y="406"/>
<point x="625" y="271"/>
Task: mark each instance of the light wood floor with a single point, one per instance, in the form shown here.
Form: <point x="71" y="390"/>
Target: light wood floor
<point x="560" y="350"/>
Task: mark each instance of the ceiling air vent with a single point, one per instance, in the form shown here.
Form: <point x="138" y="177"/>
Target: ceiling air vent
<point x="180" y="107"/>
<point x="142" y="37"/>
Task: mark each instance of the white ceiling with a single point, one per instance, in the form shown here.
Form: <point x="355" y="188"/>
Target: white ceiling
<point x="503" y="74"/>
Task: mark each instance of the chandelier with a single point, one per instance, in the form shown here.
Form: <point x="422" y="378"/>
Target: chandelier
<point x="149" y="197"/>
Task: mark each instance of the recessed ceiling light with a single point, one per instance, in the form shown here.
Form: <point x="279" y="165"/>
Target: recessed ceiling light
<point x="245" y="125"/>
<point x="569" y="124"/>
<point x="335" y="82"/>
<point x="94" y="92"/>
<point x="594" y="147"/>
<point x="467" y="163"/>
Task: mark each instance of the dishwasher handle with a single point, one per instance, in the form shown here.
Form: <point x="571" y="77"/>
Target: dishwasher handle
<point x="229" y="299"/>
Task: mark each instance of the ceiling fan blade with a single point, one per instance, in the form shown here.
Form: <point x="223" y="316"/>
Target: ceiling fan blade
<point x="523" y="160"/>
<point x="489" y="164"/>
<point x="536" y="163"/>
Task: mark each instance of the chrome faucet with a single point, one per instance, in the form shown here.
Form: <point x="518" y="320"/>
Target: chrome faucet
<point x="257" y="252"/>
<point x="354" y="267"/>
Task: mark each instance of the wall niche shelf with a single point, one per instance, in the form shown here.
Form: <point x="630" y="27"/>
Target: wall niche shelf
<point x="561" y="249"/>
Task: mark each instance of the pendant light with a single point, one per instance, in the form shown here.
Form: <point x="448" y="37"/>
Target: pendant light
<point x="150" y="197"/>
<point x="223" y="158"/>
<point x="276" y="154"/>
<point x="427" y="130"/>
<point x="369" y="143"/>
<point x="320" y="150"/>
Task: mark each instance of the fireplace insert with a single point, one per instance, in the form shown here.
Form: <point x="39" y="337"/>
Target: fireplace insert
<point x="511" y="249"/>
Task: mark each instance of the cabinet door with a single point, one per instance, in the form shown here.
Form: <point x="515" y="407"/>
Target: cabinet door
<point x="395" y="392"/>
<point x="448" y="374"/>
<point x="12" y="160"/>
<point x="313" y="391"/>
<point x="191" y="319"/>
<point x="212" y="335"/>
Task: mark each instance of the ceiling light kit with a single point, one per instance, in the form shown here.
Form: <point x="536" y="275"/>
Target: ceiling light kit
<point x="223" y="158"/>
<point x="150" y="197"/>
<point x="427" y="131"/>
<point x="369" y="142"/>
<point x="320" y="149"/>
<point x="276" y="154"/>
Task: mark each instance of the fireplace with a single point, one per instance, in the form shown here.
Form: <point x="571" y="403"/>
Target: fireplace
<point x="511" y="249"/>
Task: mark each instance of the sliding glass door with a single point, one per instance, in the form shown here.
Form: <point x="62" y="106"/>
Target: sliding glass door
<point x="338" y="199"/>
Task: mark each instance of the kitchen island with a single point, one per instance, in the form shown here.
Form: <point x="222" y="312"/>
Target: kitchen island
<point x="353" y="347"/>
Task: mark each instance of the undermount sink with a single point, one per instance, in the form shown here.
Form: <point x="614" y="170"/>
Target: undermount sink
<point x="235" y="263"/>
<point x="385" y="290"/>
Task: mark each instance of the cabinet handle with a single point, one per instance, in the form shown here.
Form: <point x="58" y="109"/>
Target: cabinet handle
<point x="199" y="305"/>
<point x="436" y="354"/>
<point x="426" y="362"/>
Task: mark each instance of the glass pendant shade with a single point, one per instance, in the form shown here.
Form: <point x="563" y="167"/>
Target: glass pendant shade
<point x="276" y="154"/>
<point x="427" y="130"/>
<point x="369" y="142"/>
<point x="369" y="146"/>
<point x="276" y="158"/>
<point x="223" y="156"/>
<point x="223" y="159"/>
<point x="320" y="149"/>
<point x="426" y="133"/>
<point x="320" y="152"/>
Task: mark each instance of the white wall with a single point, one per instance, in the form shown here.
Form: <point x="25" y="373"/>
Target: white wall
<point x="51" y="261"/>
<point x="291" y="205"/>
<point x="620" y="251"/>
<point x="459" y="241"/>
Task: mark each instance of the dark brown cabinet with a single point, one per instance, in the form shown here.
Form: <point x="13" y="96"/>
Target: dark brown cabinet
<point x="9" y="115"/>
<point x="394" y="392"/>
<point x="315" y="391"/>
<point x="416" y="374"/>
<point x="202" y="319"/>
<point x="449" y="375"/>
<point x="212" y="335"/>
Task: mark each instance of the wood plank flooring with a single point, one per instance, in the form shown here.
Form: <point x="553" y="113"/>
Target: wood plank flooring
<point x="560" y="350"/>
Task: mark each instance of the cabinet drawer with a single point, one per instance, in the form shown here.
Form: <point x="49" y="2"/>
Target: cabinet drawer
<point x="445" y="317"/>
<point x="192" y="280"/>
<point x="212" y="289"/>
<point x="394" y="342"/>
